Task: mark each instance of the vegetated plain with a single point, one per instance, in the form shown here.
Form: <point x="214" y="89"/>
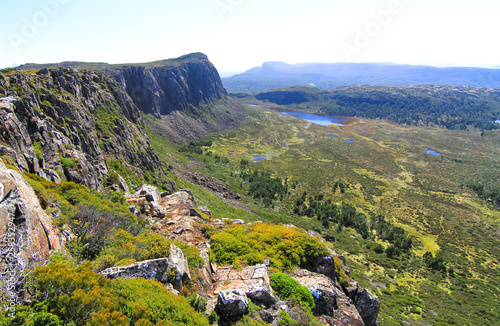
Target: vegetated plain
<point x="385" y="170"/>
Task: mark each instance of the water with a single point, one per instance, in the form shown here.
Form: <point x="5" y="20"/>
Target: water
<point x="318" y="119"/>
<point x="258" y="158"/>
<point x="431" y="152"/>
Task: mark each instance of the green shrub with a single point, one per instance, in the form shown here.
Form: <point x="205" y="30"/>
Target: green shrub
<point x="198" y="302"/>
<point x="113" y="179"/>
<point x="78" y="296"/>
<point x="213" y="318"/>
<point x="68" y="163"/>
<point x="157" y="302"/>
<point x="286" y="248"/>
<point x="379" y="249"/>
<point x="288" y="288"/>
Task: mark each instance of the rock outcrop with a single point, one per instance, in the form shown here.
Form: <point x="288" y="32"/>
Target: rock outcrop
<point x="27" y="232"/>
<point x="366" y="303"/>
<point x="159" y="88"/>
<point x="66" y="125"/>
<point x="186" y="94"/>
<point x="173" y="270"/>
<point x="232" y="304"/>
<point x="253" y="281"/>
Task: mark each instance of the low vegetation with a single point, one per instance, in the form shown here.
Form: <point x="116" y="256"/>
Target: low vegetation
<point x="288" y="288"/>
<point x="286" y="248"/>
<point x="78" y="296"/>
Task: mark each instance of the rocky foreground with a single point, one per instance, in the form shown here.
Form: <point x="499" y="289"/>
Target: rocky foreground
<point x="228" y="291"/>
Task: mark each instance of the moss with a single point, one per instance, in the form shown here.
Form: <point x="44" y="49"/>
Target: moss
<point x="37" y="146"/>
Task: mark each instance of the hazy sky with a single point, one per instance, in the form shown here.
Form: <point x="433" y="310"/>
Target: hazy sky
<point x="240" y="34"/>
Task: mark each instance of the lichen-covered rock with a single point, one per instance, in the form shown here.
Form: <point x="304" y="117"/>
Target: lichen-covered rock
<point x="232" y="304"/>
<point x="24" y="224"/>
<point x="322" y="288"/>
<point x="252" y="280"/>
<point x="178" y="204"/>
<point x="150" y="193"/>
<point x="173" y="270"/>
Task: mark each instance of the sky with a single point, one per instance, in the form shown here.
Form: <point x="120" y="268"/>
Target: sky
<point x="240" y="34"/>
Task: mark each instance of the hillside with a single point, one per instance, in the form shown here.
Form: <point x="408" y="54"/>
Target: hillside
<point x="327" y="76"/>
<point x="454" y="107"/>
<point x="105" y="220"/>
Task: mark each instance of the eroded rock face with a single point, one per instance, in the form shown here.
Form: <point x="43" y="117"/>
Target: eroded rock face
<point x="322" y="288"/>
<point x="173" y="270"/>
<point x="62" y="124"/>
<point x="164" y="88"/>
<point x="367" y="304"/>
<point x="23" y="221"/>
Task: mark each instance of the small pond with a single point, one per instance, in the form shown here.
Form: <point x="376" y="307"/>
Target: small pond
<point x="258" y="158"/>
<point x="431" y="152"/>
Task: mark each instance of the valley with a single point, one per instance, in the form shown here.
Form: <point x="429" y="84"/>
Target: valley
<point x="389" y="172"/>
<point x="118" y="168"/>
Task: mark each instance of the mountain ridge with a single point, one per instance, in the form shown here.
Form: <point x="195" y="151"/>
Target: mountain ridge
<point x="332" y="75"/>
<point x="184" y="94"/>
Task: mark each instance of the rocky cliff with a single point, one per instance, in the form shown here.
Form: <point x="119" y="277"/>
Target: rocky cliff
<point x="64" y="124"/>
<point x="185" y="95"/>
<point x="159" y="88"/>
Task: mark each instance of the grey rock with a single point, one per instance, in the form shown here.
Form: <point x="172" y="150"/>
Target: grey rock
<point x="368" y="306"/>
<point x="232" y="304"/>
<point x="205" y="210"/>
<point x="252" y="280"/>
<point x="151" y="193"/>
<point x="173" y="270"/>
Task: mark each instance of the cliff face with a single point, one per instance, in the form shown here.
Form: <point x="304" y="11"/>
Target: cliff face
<point x="159" y="88"/>
<point x="64" y="124"/>
<point x="185" y="95"/>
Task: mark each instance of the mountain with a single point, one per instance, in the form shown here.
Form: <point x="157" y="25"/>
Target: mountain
<point x="332" y="75"/>
<point x="185" y="94"/>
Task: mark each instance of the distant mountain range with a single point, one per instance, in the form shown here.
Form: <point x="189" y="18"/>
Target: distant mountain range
<point x="333" y="75"/>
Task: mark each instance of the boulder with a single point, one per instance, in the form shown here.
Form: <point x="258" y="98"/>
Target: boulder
<point x="23" y="219"/>
<point x="325" y="266"/>
<point x="178" y="262"/>
<point x="346" y="313"/>
<point x="173" y="270"/>
<point x="252" y="280"/>
<point x="232" y="304"/>
<point x="180" y="203"/>
<point x="205" y="210"/>
<point x="151" y="193"/>
<point x="322" y="288"/>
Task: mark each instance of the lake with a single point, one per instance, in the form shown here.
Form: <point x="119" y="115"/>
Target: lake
<point x="318" y="119"/>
